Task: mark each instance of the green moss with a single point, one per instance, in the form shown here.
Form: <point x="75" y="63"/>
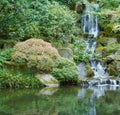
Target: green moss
<point x="89" y="71"/>
<point x="102" y="41"/>
<point x="112" y="48"/>
<point x="101" y="48"/>
<point x="112" y="70"/>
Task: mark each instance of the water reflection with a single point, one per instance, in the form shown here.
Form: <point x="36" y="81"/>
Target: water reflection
<point x="99" y="100"/>
<point x="48" y="91"/>
<point x="98" y="93"/>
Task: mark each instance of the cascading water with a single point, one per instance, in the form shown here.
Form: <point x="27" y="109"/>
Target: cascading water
<point x="90" y="26"/>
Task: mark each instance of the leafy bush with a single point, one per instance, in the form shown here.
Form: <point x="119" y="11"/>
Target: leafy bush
<point x="10" y="79"/>
<point x="78" y="48"/>
<point x="25" y="19"/>
<point x="5" y="55"/>
<point x="109" y="4"/>
<point x="65" y="70"/>
<point x="109" y="17"/>
<point x="69" y="3"/>
<point x="35" y="53"/>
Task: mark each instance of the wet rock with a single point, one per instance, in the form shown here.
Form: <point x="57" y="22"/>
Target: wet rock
<point x="79" y="8"/>
<point x="47" y="80"/>
<point x="97" y="82"/>
<point x="82" y="70"/>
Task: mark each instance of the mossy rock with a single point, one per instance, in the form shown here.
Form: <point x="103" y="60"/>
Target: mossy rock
<point x="89" y="71"/>
<point x="66" y="53"/>
<point x="103" y="41"/>
<point x="108" y="29"/>
<point x="100" y="50"/>
<point x="113" y="62"/>
<point x="112" y="48"/>
<point x="112" y="70"/>
<point x="79" y="7"/>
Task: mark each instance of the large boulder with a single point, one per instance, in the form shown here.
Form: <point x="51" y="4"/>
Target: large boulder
<point x="66" y="53"/>
<point x="113" y="62"/>
<point x="47" y="80"/>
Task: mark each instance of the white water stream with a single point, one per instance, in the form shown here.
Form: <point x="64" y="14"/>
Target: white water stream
<point x="90" y="27"/>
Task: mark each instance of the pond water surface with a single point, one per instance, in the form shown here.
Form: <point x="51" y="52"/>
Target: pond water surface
<point x="102" y="100"/>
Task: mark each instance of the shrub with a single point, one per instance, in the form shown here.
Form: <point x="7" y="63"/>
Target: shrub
<point x="25" y="19"/>
<point x="12" y="79"/>
<point x="35" y="53"/>
<point x="109" y="17"/>
<point x="65" y="70"/>
<point x="78" y="48"/>
<point x="6" y="55"/>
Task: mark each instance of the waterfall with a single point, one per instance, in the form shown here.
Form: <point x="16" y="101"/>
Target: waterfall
<point x="90" y="27"/>
<point x="89" y="21"/>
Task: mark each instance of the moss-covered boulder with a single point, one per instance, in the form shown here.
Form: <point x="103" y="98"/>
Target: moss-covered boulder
<point x="89" y="71"/>
<point x="113" y="62"/>
<point x="35" y="53"/>
<point x="100" y="50"/>
<point x="66" y="53"/>
<point x="111" y="48"/>
<point x="79" y="7"/>
<point x="103" y="41"/>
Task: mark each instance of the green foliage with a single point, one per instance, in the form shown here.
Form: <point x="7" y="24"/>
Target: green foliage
<point x="12" y="79"/>
<point x="78" y="48"/>
<point x="5" y="55"/>
<point x="26" y="19"/>
<point x="69" y="3"/>
<point x="109" y="17"/>
<point x="65" y="70"/>
<point x="35" y="53"/>
<point x="109" y="4"/>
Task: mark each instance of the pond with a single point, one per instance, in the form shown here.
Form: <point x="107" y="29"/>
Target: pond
<point x="102" y="100"/>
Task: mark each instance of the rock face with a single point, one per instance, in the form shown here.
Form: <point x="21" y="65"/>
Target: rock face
<point x="113" y="62"/>
<point x="47" y="80"/>
<point x="82" y="70"/>
<point x="66" y="53"/>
